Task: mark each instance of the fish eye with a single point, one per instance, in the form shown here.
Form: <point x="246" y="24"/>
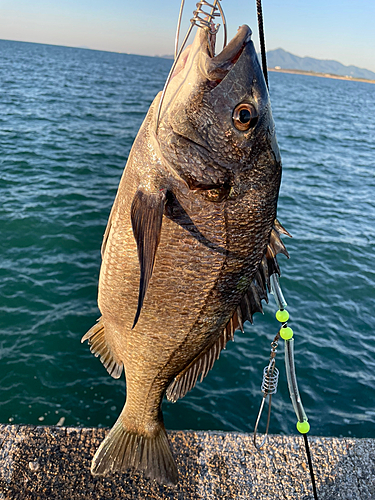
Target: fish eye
<point x="245" y="116"/>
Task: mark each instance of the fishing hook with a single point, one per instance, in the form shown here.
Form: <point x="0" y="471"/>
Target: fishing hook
<point x="203" y="23"/>
<point x="268" y="387"/>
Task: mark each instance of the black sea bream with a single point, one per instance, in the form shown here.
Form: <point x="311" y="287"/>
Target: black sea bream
<point x="189" y="245"/>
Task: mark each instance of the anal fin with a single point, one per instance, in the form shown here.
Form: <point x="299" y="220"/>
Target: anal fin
<point x="99" y="347"/>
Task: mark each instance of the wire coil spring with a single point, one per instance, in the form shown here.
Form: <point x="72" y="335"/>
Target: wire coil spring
<point x="203" y="22"/>
<point x="196" y="20"/>
<point x="268" y="387"/>
<point x="270" y="379"/>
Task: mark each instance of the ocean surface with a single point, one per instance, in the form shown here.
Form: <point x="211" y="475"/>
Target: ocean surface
<point x="68" y="118"/>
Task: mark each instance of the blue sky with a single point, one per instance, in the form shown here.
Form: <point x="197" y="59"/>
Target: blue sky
<point x="332" y="29"/>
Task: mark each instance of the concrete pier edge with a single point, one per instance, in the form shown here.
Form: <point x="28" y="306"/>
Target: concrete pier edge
<point x="38" y="463"/>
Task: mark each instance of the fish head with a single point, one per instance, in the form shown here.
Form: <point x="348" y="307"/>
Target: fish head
<point x="216" y="122"/>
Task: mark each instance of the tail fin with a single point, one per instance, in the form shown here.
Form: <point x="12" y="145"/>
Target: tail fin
<point x="123" y="449"/>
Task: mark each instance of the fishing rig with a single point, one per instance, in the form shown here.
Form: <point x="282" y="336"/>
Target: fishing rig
<point x="271" y="377"/>
<point x="204" y="19"/>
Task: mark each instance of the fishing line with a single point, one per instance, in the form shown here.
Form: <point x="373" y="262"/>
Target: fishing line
<point x="262" y="40"/>
<point x="270" y="375"/>
<point x="286" y="333"/>
<point x="310" y="466"/>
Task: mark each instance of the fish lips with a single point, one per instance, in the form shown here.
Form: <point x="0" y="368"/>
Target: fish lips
<point x="236" y="72"/>
<point x="216" y="68"/>
<point x="208" y="67"/>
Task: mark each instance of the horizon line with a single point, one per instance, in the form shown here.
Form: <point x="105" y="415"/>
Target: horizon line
<point x="168" y="56"/>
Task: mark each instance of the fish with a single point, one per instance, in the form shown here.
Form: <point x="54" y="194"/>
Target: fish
<point x="190" y="244"/>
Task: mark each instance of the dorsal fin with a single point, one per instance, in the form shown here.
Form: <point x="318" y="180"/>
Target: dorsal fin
<point x="250" y="303"/>
<point x="202" y="364"/>
<point x="275" y="247"/>
<point x="252" y="300"/>
<point x="146" y="216"/>
<point x="280" y="228"/>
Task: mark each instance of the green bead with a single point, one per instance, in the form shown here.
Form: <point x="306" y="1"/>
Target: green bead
<point x="282" y="316"/>
<point x="286" y="333"/>
<point x="303" y="427"/>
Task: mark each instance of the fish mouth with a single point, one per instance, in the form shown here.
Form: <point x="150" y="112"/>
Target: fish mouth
<point x="214" y="67"/>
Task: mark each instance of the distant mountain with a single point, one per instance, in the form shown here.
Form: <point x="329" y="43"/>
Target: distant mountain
<point x="280" y="58"/>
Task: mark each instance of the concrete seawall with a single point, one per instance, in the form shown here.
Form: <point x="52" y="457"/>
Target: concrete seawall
<point x="38" y="463"/>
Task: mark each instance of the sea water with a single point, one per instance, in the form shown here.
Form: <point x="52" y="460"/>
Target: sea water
<point x="68" y="118"/>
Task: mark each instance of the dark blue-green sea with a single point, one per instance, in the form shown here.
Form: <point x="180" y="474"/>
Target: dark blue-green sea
<point x="68" y="118"/>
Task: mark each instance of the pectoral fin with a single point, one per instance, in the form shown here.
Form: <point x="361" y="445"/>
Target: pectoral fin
<point x="146" y="216"/>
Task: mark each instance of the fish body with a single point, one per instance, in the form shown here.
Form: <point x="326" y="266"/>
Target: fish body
<point x="187" y="250"/>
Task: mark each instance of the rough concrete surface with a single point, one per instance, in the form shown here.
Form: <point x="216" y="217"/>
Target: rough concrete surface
<point x="38" y="463"/>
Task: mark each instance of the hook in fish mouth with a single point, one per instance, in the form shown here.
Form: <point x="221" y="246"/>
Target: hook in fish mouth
<point x="198" y="63"/>
<point x="215" y="67"/>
